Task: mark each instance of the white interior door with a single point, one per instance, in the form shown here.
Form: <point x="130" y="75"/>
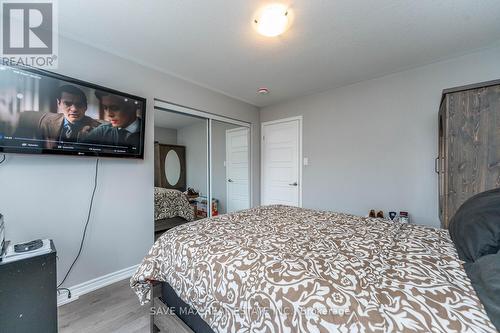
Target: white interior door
<point x="281" y="169"/>
<point x="237" y="169"/>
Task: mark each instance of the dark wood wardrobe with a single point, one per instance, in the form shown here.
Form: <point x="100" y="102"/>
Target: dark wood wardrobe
<point x="469" y="145"/>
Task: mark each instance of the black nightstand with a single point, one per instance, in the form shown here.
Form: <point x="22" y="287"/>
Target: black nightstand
<point x="28" y="294"/>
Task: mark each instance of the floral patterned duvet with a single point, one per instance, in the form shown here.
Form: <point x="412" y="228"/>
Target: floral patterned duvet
<point x="287" y="269"/>
<point x="172" y="203"/>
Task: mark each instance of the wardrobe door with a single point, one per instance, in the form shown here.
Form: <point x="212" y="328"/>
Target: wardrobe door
<point x="493" y="137"/>
<point x="473" y="143"/>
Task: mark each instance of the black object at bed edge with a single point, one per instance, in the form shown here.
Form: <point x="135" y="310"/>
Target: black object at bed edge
<point x="475" y="230"/>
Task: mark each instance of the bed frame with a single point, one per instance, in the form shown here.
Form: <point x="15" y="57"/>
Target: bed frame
<point x="163" y="225"/>
<point x="162" y="319"/>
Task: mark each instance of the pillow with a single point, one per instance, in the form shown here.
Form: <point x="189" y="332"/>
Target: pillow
<point x="475" y="227"/>
<point x="485" y="277"/>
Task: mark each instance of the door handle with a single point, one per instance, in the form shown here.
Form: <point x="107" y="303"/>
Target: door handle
<point x="436" y="165"/>
<point x="293" y="184"/>
<point x="230" y="180"/>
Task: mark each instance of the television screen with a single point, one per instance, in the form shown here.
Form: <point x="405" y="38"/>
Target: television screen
<point x="42" y="112"/>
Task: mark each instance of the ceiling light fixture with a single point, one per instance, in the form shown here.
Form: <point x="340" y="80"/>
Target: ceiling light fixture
<point x="272" y="20"/>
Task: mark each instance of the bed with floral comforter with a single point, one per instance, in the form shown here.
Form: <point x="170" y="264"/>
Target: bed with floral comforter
<point x="287" y="269"/>
<point x="172" y="203"/>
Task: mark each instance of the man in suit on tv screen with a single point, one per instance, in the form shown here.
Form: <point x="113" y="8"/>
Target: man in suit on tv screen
<point x="124" y="127"/>
<point x="70" y="122"/>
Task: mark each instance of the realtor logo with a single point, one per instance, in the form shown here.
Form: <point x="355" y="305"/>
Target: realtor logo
<point x="29" y="33"/>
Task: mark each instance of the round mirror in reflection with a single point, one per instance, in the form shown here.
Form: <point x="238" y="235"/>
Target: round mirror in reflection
<point x="172" y="167"/>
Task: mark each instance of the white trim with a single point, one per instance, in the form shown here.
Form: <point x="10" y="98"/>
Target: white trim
<point x="209" y="168"/>
<point x="250" y="165"/>
<point x="301" y="159"/>
<point x="94" y="284"/>
<point x="261" y="163"/>
<point x="225" y="171"/>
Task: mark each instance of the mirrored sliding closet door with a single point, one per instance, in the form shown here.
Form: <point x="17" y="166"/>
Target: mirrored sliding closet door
<point x="202" y="165"/>
<point x="181" y="165"/>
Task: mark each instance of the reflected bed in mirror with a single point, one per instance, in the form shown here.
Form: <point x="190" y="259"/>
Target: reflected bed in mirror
<point x="172" y="206"/>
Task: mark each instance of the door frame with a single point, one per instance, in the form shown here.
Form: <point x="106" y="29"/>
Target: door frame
<point x="249" y="173"/>
<point x="262" y="161"/>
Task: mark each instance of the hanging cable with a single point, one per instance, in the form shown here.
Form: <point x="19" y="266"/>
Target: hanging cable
<point x="84" y="232"/>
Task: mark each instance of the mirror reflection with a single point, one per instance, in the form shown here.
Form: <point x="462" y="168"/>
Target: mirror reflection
<point x="172" y="167"/>
<point x="181" y="170"/>
<point x="190" y="184"/>
<point x="230" y="166"/>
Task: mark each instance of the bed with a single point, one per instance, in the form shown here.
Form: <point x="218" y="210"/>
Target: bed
<point x="287" y="269"/>
<point x="172" y="208"/>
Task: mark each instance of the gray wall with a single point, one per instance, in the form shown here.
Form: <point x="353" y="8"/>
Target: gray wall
<point x="165" y="135"/>
<point x="48" y="196"/>
<point x="194" y="137"/>
<point x="373" y="144"/>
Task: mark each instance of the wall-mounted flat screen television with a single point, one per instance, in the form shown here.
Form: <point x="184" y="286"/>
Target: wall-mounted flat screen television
<point x="47" y="113"/>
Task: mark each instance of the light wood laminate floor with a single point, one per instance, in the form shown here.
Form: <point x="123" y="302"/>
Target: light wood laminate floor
<point x="114" y="308"/>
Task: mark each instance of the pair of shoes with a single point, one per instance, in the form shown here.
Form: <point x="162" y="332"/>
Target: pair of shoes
<point x="379" y="214"/>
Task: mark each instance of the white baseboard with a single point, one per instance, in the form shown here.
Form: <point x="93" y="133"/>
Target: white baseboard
<point x="94" y="284"/>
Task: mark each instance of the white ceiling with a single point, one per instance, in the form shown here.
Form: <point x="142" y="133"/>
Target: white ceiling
<point x="172" y="120"/>
<point x="331" y="43"/>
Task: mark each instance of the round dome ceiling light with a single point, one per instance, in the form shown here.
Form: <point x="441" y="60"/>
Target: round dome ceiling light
<point x="272" y="20"/>
<point x="263" y="91"/>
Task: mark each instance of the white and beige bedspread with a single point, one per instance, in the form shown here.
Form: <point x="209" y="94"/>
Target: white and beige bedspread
<point x="285" y="269"/>
<point x="172" y="203"/>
